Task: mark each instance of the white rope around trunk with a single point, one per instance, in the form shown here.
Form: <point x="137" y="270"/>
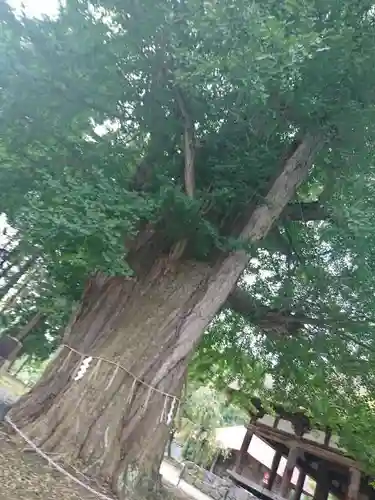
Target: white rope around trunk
<point x="87" y="359"/>
<point x="58" y="467"/>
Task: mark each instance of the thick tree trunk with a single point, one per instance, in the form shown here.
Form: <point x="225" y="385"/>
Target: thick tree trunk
<point x="150" y="326"/>
<point x="115" y="426"/>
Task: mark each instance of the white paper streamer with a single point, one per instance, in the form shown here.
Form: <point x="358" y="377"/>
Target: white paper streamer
<point x="83" y="368"/>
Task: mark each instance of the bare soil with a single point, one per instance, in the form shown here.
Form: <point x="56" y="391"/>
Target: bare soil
<point x="26" y="476"/>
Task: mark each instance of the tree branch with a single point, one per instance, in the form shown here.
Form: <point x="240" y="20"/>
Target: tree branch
<point x="268" y="319"/>
<point x="306" y="212"/>
<point x="189" y="167"/>
<point x="282" y="321"/>
<point x="189" y="147"/>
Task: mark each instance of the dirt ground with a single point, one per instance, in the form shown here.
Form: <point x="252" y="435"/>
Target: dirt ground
<point x="26" y="476"/>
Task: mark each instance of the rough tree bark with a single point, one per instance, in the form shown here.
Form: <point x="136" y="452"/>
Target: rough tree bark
<point x="150" y="325"/>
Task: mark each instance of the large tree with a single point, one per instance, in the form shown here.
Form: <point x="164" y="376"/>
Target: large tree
<point x="220" y="119"/>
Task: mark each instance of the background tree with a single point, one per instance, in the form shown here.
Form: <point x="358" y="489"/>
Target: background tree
<point x="36" y="307"/>
<point x="203" y="411"/>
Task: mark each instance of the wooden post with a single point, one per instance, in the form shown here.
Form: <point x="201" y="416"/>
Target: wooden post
<point x="288" y="472"/>
<point x="273" y="471"/>
<point x="244" y="447"/>
<point x="327" y="436"/>
<point x="354" y="484"/>
<point x="214" y="461"/>
<point x="322" y="483"/>
<point x="300" y="484"/>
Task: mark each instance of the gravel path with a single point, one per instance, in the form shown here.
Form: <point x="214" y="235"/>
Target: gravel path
<point x="6" y="396"/>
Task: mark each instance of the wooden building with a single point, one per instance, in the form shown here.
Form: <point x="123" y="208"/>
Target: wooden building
<point x="257" y="463"/>
<point x="314" y="452"/>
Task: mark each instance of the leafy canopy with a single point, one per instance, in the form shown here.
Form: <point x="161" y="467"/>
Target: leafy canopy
<point x="251" y="78"/>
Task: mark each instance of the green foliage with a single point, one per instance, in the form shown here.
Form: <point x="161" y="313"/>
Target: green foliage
<point x="240" y="69"/>
<point x="204" y="410"/>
